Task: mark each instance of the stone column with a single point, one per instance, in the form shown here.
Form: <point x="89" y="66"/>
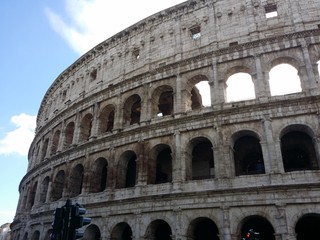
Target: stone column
<point x="48" y="196"/>
<point x="145" y="106"/>
<point x="138" y="235"/>
<point x="86" y="180"/>
<point x="177" y="173"/>
<point x="77" y="130"/>
<point x="178" y="101"/>
<point x="226" y="223"/>
<point x="282" y="233"/>
<point x="118" y="115"/>
<point x="261" y="85"/>
<point x="177" y="213"/>
<point x="62" y="137"/>
<point x="219" y="165"/>
<point x="142" y="164"/>
<point x="308" y="76"/>
<point x="271" y="149"/>
<point x="95" y="122"/>
<point x="218" y="89"/>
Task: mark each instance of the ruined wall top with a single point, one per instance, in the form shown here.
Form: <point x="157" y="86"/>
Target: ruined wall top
<point x="168" y="37"/>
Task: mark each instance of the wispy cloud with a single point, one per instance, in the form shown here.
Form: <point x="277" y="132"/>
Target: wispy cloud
<point x="88" y="22"/>
<point x="18" y="141"/>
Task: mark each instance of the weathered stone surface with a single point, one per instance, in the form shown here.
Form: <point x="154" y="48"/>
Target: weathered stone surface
<point x="129" y="103"/>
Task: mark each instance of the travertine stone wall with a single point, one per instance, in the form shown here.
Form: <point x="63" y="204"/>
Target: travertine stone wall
<point x="169" y="52"/>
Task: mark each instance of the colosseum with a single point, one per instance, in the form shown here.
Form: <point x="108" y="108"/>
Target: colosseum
<point x="151" y="131"/>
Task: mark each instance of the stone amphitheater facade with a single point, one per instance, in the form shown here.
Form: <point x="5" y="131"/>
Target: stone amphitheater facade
<point x="123" y="130"/>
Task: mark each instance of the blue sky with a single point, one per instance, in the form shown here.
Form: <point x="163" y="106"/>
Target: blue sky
<point x="39" y="39"/>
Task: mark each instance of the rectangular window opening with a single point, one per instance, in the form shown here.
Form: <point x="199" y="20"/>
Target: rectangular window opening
<point x="271" y="11"/>
<point x="136" y="53"/>
<point x="233" y="43"/>
<point x="195" y="33"/>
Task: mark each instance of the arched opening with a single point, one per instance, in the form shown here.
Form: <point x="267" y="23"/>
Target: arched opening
<point x="202" y="163"/>
<point x="92" y="232"/>
<point x="57" y="186"/>
<point x="308" y="227"/>
<point x="44" y="148"/>
<point x="240" y="87"/>
<point x="248" y="155"/>
<point x="160" y="164"/>
<point x="132" y="110"/>
<point x="284" y="79"/>
<point x="162" y="101"/>
<point x="75" y="181"/>
<point x="99" y="175"/>
<point x="298" y="152"/>
<point x="165" y="104"/>
<point x="106" y="119"/>
<point x="122" y="231"/>
<point x="200" y="95"/>
<point x="35" y="235"/>
<point x="159" y="230"/>
<point x="203" y="229"/>
<point x="55" y="142"/>
<point x="69" y="132"/>
<point x="257" y="226"/>
<point x="44" y="190"/>
<point x="127" y="170"/>
<point x="163" y="165"/>
<point x="32" y="195"/>
<point x="198" y="89"/>
<point x="85" y="127"/>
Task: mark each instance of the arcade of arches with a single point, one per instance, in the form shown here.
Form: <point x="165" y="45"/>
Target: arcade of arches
<point x="201" y="228"/>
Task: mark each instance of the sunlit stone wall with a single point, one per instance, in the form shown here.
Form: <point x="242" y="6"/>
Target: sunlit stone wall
<point x="157" y="134"/>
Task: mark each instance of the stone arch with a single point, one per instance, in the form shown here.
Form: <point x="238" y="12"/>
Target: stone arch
<point x="158" y="230"/>
<point x="308" y="226"/>
<point x="35" y="235"/>
<point x="297" y="148"/>
<point x="55" y="141"/>
<point x="127" y="170"/>
<point x="281" y="84"/>
<point x="196" y="94"/>
<point x="32" y="195"/>
<point x="202" y="228"/>
<point x="106" y="119"/>
<point x="132" y="110"/>
<point x="99" y="175"/>
<point x="248" y="157"/>
<point x="200" y="159"/>
<point x="75" y="181"/>
<point x="162" y="101"/>
<point x="235" y="77"/>
<point x="44" y="189"/>
<point x="58" y="186"/>
<point x="256" y="225"/>
<point x="69" y="134"/>
<point x="122" y="231"/>
<point x="92" y="232"/>
<point x="283" y="60"/>
<point x="86" y="127"/>
<point x="160" y="166"/>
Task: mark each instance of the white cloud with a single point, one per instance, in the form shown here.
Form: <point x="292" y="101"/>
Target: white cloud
<point x="89" y="22"/>
<point x="18" y="141"/>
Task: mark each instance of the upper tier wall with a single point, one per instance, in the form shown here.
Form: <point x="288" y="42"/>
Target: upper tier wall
<point x="166" y="38"/>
